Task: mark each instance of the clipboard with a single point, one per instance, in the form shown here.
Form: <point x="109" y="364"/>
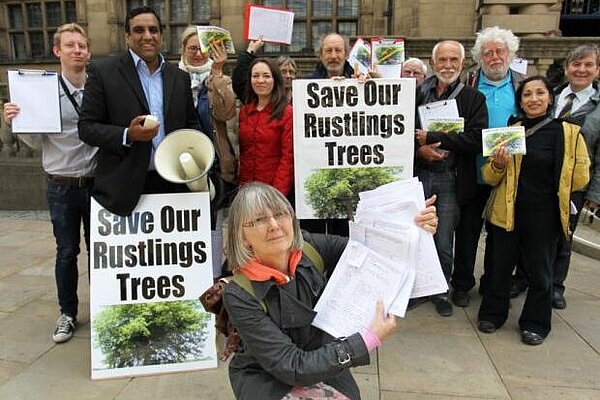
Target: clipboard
<point x="38" y="96"/>
<point x="274" y="25"/>
<point x="439" y="110"/>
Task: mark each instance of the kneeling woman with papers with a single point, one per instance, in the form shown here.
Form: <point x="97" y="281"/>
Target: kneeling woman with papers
<point x="281" y="356"/>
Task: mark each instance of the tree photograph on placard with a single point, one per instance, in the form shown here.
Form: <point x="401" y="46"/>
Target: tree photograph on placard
<point x="132" y="335"/>
<point x="333" y="193"/>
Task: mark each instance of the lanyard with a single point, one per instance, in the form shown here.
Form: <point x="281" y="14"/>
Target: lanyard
<point x="69" y="95"/>
<point x="537" y="126"/>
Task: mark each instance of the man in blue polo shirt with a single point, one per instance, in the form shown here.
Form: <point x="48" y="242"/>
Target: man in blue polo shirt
<point x="494" y="51"/>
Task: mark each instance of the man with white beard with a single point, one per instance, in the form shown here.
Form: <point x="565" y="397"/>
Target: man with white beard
<point x="445" y="162"/>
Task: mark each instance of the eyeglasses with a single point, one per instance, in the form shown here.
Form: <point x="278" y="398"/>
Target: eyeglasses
<point x="193" y="49"/>
<point x="264" y="220"/>
<point x="500" y="52"/>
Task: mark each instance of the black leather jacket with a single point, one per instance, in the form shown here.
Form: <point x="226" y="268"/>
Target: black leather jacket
<point x="280" y="349"/>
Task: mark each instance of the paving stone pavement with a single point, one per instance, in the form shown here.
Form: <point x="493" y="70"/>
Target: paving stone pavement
<point x="430" y="357"/>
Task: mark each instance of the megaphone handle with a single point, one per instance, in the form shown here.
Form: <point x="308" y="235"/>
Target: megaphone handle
<point x="214" y="189"/>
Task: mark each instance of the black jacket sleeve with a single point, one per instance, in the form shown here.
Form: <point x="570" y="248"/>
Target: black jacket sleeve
<point x="239" y="78"/>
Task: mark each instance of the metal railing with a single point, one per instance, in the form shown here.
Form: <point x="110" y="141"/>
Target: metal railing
<point x="581" y="9"/>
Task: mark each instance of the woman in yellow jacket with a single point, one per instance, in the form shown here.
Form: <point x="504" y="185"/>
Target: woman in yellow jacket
<point x="529" y="209"/>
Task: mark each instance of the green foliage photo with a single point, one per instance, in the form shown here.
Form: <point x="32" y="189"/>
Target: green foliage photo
<point x="132" y="335"/>
<point x="512" y="140"/>
<point x="333" y="193"/>
<point x="445" y="127"/>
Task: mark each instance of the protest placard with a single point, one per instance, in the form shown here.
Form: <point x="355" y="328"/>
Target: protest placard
<point x="349" y="137"/>
<point x="147" y="270"/>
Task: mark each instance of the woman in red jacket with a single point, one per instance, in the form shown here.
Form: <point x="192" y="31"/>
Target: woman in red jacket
<point x="266" y="141"/>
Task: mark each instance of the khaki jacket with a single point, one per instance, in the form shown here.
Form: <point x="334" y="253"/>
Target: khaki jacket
<point x="574" y="175"/>
<point x="222" y="105"/>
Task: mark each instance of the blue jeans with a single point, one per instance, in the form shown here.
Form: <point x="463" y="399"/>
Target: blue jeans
<point x="69" y="205"/>
<point x="443" y="184"/>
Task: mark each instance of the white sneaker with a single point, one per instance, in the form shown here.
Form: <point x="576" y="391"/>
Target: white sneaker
<point x="65" y="327"/>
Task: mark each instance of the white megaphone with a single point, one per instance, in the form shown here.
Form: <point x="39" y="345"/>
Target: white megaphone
<point x="186" y="156"/>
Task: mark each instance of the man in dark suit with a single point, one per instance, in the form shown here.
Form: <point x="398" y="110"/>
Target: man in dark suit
<point x="119" y="93"/>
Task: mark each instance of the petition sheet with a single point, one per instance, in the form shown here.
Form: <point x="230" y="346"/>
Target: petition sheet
<point x="360" y="279"/>
<point x="399" y="245"/>
<point x="401" y="201"/>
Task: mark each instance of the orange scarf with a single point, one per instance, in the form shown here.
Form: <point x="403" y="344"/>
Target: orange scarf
<point x="255" y="271"/>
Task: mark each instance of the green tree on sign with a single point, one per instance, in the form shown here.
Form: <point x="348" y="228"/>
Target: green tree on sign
<point x="132" y="335"/>
<point x="333" y="193"/>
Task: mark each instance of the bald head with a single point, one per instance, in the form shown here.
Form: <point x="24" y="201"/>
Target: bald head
<point x="446" y="60"/>
<point x="333" y="52"/>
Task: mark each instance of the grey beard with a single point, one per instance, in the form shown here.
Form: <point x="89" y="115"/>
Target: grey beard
<point x="335" y="71"/>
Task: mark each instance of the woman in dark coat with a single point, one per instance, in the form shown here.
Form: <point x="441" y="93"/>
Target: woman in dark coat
<point x="281" y="355"/>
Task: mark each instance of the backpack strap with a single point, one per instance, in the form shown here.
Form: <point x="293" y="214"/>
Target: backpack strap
<point x="308" y="249"/>
<point x="246" y="284"/>
<point x="314" y="257"/>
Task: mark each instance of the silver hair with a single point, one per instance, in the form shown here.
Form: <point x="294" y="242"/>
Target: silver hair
<point x="582" y="51"/>
<point x="419" y="62"/>
<point x="460" y="46"/>
<point x="344" y="38"/>
<point x="186" y="35"/>
<point x="495" y="34"/>
<point x="281" y="60"/>
<point x="252" y="200"/>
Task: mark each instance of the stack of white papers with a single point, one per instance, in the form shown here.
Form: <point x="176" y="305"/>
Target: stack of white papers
<point x="387" y="258"/>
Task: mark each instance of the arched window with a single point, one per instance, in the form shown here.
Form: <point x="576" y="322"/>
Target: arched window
<point x="313" y="19"/>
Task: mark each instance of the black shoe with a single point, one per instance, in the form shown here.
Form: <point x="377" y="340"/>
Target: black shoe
<point x="460" y="298"/>
<point x="486" y="327"/>
<point x="417" y="301"/>
<point x="517" y="288"/>
<point x="531" y="338"/>
<point x="558" y="301"/>
<point x="442" y="306"/>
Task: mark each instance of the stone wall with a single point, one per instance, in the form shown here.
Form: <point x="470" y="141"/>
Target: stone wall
<point x="523" y="17"/>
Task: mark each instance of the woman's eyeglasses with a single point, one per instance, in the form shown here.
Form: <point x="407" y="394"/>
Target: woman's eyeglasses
<point x="192" y="49"/>
<point x="264" y="220"/>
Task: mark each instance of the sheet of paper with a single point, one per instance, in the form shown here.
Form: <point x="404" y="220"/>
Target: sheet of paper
<point x="399" y="245"/>
<point x="519" y="65"/>
<point x="399" y="202"/>
<point x="360" y="56"/>
<point x="444" y="109"/>
<point x="272" y="24"/>
<point x="36" y="93"/>
<point x="360" y="279"/>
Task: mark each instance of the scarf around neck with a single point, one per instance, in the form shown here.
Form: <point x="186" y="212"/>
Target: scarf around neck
<point x="256" y="271"/>
<point x="197" y="74"/>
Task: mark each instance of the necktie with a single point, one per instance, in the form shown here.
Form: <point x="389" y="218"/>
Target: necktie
<point x="566" y="110"/>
